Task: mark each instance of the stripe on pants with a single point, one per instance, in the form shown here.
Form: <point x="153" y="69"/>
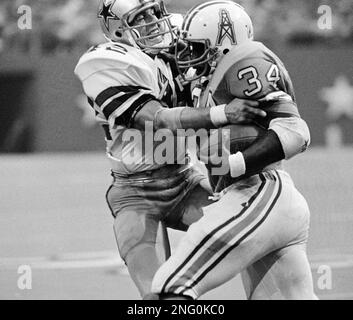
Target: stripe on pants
<point x="209" y="253"/>
<point x="246" y="233"/>
<point x="192" y="257"/>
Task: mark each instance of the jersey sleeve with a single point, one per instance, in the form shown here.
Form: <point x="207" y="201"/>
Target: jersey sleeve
<point x="117" y="85"/>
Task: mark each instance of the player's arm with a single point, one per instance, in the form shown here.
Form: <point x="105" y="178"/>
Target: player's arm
<point x="285" y="138"/>
<point x="239" y="111"/>
<point x="288" y="134"/>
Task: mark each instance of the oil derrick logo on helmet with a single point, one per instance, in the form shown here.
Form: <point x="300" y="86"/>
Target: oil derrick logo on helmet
<point x="225" y="28"/>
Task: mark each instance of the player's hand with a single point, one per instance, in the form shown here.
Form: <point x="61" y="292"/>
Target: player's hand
<point x="243" y="111"/>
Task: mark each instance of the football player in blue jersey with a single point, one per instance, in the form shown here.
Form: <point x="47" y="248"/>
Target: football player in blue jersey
<point x="129" y="85"/>
<point x="260" y="224"/>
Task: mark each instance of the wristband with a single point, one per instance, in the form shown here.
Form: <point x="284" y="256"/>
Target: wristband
<point x="218" y="115"/>
<point x="237" y="165"/>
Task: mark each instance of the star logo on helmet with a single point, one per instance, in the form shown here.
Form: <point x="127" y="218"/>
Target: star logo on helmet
<point x="106" y="13"/>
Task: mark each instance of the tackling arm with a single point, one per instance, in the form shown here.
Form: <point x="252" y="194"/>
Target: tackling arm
<point x="239" y="111"/>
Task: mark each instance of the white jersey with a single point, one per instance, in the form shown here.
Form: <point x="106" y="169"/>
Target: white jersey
<point x="118" y="80"/>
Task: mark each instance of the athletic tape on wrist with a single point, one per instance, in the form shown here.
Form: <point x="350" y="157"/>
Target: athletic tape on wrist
<point x="218" y="115"/>
<point x="237" y="165"/>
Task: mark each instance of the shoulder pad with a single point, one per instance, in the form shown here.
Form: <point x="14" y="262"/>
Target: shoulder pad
<point x="111" y="56"/>
<point x="242" y="51"/>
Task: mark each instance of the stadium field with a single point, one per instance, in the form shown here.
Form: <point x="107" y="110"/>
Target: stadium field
<point x="55" y="220"/>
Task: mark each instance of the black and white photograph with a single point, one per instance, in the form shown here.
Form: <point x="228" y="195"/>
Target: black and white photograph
<point x="180" y="150"/>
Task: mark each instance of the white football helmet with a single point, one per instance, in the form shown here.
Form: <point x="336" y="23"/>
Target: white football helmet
<point x="116" y="18"/>
<point x="210" y="30"/>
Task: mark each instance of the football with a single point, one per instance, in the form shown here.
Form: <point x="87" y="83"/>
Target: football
<point x="230" y="138"/>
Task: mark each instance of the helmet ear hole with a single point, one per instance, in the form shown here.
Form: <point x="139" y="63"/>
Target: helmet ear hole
<point x="118" y="34"/>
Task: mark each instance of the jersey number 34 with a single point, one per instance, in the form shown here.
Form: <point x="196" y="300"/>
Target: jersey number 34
<point x="256" y="86"/>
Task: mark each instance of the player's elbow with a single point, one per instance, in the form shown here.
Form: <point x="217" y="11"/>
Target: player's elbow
<point x="302" y="132"/>
<point x="293" y="133"/>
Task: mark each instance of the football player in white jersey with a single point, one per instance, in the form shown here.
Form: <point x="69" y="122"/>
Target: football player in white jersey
<point x="133" y="94"/>
<point x="260" y="224"/>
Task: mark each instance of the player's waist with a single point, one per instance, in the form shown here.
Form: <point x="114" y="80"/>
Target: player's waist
<point x="167" y="171"/>
<point x="273" y="174"/>
<point x="226" y="181"/>
<point x="256" y="179"/>
<point x="274" y="166"/>
<point x="135" y="160"/>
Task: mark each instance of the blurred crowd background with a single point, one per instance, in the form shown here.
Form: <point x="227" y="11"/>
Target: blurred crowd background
<point x="64" y="24"/>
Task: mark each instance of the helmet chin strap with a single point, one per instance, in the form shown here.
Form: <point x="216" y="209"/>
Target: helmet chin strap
<point x="151" y="51"/>
<point x="135" y="35"/>
<point x="213" y="66"/>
